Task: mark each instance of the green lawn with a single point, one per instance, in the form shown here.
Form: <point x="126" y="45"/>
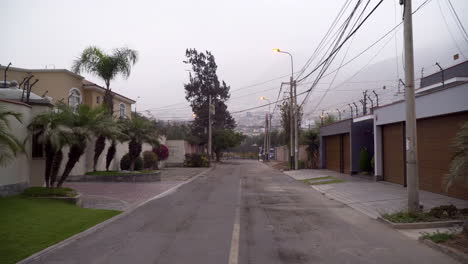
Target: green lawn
<point x="28" y="225"/>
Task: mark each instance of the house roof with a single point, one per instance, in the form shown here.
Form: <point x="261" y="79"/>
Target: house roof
<point x="44" y="70"/>
<point x="92" y="86"/>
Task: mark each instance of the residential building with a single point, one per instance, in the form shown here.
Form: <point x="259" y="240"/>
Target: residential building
<point x="53" y="86"/>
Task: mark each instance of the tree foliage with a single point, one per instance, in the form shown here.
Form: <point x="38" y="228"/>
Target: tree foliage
<point x="459" y="163"/>
<point x="203" y="82"/>
<point x="10" y="146"/>
<point x="106" y="66"/>
<point x="285" y="119"/>
<point x="224" y="139"/>
<point x="139" y="129"/>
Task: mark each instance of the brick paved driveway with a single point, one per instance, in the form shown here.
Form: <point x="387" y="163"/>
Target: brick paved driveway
<point x="122" y="195"/>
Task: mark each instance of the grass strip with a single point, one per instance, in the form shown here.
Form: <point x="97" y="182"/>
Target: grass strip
<point x="438" y="237"/>
<point x="29" y="225"/>
<point x="327" y="182"/>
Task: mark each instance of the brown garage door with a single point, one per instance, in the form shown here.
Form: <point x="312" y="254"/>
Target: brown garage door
<point x="346" y="154"/>
<point x="332" y="153"/>
<point x="435" y="150"/>
<point x="393" y="153"/>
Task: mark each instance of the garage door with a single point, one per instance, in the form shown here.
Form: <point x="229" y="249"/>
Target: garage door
<point x="332" y="153"/>
<point x="393" y="153"/>
<point x="346" y="154"/>
<point x="435" y="150"/>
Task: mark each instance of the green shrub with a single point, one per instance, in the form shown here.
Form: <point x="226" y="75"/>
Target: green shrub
<point x="444" y="211"/>
<point x="406" y="217"/>
<point x="372" y="162"/>
<point x="125" y="163"/>
<point x="149" y="160"/>
<point x="196" y="160"/>
<point x="438" y="237"/>
<point x="364" y="162"/>
<point x="49" y="192"/>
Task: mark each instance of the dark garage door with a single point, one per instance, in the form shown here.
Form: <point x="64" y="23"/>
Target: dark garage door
<point x="332" y="153"/>
<point x="435" y="150"/>
<point x="337" y="153"/>
<point x="393" y="153"/>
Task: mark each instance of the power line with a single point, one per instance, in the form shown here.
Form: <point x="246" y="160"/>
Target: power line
<point x="458" y="22"/>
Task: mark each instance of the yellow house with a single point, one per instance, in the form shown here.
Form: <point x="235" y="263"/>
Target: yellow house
<point x="53" y="86"/>
<point x="68" y="87"/>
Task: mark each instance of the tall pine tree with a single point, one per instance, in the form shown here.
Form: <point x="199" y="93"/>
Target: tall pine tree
<point x="202" y="83"/>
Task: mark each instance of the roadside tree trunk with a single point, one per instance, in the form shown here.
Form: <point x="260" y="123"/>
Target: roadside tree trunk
<point x="134" y="150"/>
<point x="58" y="157"/>
<point x="49" y="155"/>
<point x="110" y="154"/>
<point x="98" y="149"/>
<point x="73" y="157"/>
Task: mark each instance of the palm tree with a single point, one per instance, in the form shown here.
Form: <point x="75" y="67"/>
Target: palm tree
<point x="9" y="144"/>
<point x="106" y="66"/>
<point x="82" y="124"/>
<point x="311" y="139"/>
<point x="459" y="164"/>
<point x="139" y="130"/>
<point x="52" y="132"/>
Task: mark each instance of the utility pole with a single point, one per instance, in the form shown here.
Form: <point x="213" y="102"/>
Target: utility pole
<point x="291" y="123"/>
<point x="209" y="126"/>
<point x="265" y="138"/>
<point x="411" y="135"/>
<point x="269" y="136"/>
<point x="296" y="130"/>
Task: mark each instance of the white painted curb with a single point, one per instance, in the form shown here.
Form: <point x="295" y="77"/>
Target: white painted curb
<point x="95" y="228"/>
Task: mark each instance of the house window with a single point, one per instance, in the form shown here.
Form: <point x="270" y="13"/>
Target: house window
<point x="122" y="111"/>
<point x="74" y="98"/>
<point x="98" y="99"/>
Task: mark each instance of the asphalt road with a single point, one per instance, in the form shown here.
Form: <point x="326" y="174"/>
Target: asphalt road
<point x="245" y="212"/>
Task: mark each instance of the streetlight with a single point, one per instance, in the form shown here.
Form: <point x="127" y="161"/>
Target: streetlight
<point x="294" y="148"/>
<point x="267" y="129"/>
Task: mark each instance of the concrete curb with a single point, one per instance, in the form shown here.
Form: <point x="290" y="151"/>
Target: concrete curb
<point x="421" y="225"/>
<point x="99" y="226"/>
<point x="456" y="254"/>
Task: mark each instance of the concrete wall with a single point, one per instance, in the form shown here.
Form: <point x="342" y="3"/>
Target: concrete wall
<point x="177" y="152"/>
<point x="443" y="102"/>
<point x="23" y="170"/>
<point x="282" y="153"/>
<point x="459" y="70"/>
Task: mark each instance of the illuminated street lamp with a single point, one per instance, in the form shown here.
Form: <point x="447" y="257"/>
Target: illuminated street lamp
<point x="294" y="143"/>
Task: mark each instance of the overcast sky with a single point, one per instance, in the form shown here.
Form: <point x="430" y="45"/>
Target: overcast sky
<point x="240" y="34"/>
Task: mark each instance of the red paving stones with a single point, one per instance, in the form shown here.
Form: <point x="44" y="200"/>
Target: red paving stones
<point x="131" y="193"/>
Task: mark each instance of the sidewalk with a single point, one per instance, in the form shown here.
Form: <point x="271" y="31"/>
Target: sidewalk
<point x="370" y="197"/>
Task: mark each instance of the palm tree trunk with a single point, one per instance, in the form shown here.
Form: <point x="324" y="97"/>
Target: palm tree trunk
<point x="49" y="155"/>
<point x="110" y="154"/>
<point x="98" y="149"/>
<point x="134" y="150"/>
<point x="108" y="100"/>
<point x="56" y="166"/>
<point x="73" y="157"/>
